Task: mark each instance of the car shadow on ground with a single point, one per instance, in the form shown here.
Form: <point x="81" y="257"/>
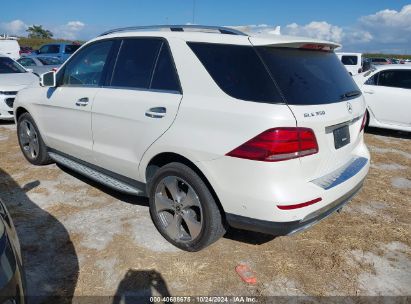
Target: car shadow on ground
<point x="49" y="258"/>
<point x="388" y="133"/>
<point x="238" y="235"/>
<point x="138" y="286"/>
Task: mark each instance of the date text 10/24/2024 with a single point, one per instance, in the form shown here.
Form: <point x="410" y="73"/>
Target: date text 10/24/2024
<point x="204" y="299"/>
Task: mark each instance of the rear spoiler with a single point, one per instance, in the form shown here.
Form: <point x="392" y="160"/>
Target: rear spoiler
<point x="294" y="42"/>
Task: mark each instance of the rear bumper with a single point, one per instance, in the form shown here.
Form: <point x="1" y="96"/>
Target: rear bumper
<point x="288" y="228"/>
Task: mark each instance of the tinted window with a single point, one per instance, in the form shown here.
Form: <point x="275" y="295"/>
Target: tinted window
<point x="349" y="60"/>
<point x="50" y="49"/>
<point x="308" y="76"/>
<point x="373" y="80"/>
<point x="395" y="78"/>
<point x="237" y="70"/>
<point x="26" y="62"/>
<point x="135" y="63"/>
<point x="49" y="60"/>
<point x="70" y="49"/>
<point x="9" y="66"/>
<point x="165" y="76"/>
<point x="86" y="67"/>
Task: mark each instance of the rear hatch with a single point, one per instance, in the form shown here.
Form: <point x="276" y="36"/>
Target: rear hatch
<point x="322" y="96"/>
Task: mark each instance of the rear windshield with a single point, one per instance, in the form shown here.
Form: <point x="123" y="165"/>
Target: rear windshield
<point x="265" y="74"/>
<point x="9" y="66"/>
<point x="308" y="76"/>
<point x="349" y="60"/>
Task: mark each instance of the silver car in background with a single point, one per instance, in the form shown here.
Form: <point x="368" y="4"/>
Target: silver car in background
<point x="40" y="64"/>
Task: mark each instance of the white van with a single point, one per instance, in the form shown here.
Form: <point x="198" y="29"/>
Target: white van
<point x="352" y="62"/>
<point x="10" y="47"/>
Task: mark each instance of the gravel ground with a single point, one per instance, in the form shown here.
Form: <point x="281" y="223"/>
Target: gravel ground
<point x="81" y="239"/>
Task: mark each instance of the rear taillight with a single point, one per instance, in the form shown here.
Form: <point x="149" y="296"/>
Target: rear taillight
<point x="278" y="144"/>
<point x="364" y="121"/>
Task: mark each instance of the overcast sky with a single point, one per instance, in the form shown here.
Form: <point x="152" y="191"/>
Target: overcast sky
<point x="359" y="25"/>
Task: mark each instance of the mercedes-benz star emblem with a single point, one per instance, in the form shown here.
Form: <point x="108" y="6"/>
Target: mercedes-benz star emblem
<point x="349" y="107"/>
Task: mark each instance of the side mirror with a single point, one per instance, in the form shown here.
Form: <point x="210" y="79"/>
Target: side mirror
<point x="48" y="79"/>
<point x="29" y="70"/>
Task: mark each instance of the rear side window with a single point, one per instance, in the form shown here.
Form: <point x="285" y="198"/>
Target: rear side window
<point x="238" y="71"/>
<point x="50" y="49"/>
<point x="309" y="77"/>
<point x="165" y="75"/>
<point x="135" y="63"/>
<point x="395" y="79"/>
<point x="349" y="60"/>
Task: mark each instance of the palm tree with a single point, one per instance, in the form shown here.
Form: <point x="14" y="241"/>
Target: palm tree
<point x="37" y="31"/>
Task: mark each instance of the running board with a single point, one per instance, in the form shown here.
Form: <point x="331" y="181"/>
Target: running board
<point x="96" y="175"/>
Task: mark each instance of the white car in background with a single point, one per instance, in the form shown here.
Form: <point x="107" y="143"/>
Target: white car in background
<point x="216" y="127"/>
<point x="9" y="46"/>
<point x="387" y="93"/>
<point x="352" y="62"/>
<point x="13" y="78"/>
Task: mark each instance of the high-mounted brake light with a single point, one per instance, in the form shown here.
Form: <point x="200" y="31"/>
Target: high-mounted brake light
<point x="278" y="144"/>
<point x="364" y="121"/>
<point x="316" y="47"/>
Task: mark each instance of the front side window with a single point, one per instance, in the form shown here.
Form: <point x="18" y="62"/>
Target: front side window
<point x="9" y="66"/>
<point x="395" y="79"/>
<point x="238" y="71"/>
<point x="349" y="60"/>
<point x="86" y="67"/>
<point x="135" y="64"/>
<point x="373" y="80"/>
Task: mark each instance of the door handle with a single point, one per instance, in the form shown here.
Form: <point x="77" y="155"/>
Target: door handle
<point x="157" y="112"/>
<point x="82" y="102"/>
<point x="369" y="91"/>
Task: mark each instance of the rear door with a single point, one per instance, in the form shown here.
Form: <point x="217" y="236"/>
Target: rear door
<point x="137" y="105"/>
<point x="388" y="95"/>
<point x="323" y="97"/>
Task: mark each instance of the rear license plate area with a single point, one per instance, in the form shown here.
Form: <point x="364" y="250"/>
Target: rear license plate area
<point x="341" y="137"/>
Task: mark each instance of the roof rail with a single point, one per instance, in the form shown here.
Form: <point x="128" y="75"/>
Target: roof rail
<point x="177" y="28"/>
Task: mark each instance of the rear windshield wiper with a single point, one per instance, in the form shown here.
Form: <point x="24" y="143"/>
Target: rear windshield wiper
<point x="351" y="94"/>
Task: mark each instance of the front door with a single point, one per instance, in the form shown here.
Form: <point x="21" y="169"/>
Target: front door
<point x="66" y="109"/>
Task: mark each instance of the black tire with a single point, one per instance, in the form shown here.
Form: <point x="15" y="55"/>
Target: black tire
<point x="212" y="227"/>
<point x="41" y="157"/>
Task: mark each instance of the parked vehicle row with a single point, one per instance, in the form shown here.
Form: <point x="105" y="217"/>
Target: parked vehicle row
<point x="40" y="64"/>
<point x="13" y="78"/>
<point x="214" y="115"/>
<point x="387" y="92"/>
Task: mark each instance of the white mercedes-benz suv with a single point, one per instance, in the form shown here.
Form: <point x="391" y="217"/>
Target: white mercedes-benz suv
<point x="216" y="127"/>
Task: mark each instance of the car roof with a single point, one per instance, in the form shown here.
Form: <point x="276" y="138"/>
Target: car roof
<point x="393" y="67"/>
<point x="206" y="35"/>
